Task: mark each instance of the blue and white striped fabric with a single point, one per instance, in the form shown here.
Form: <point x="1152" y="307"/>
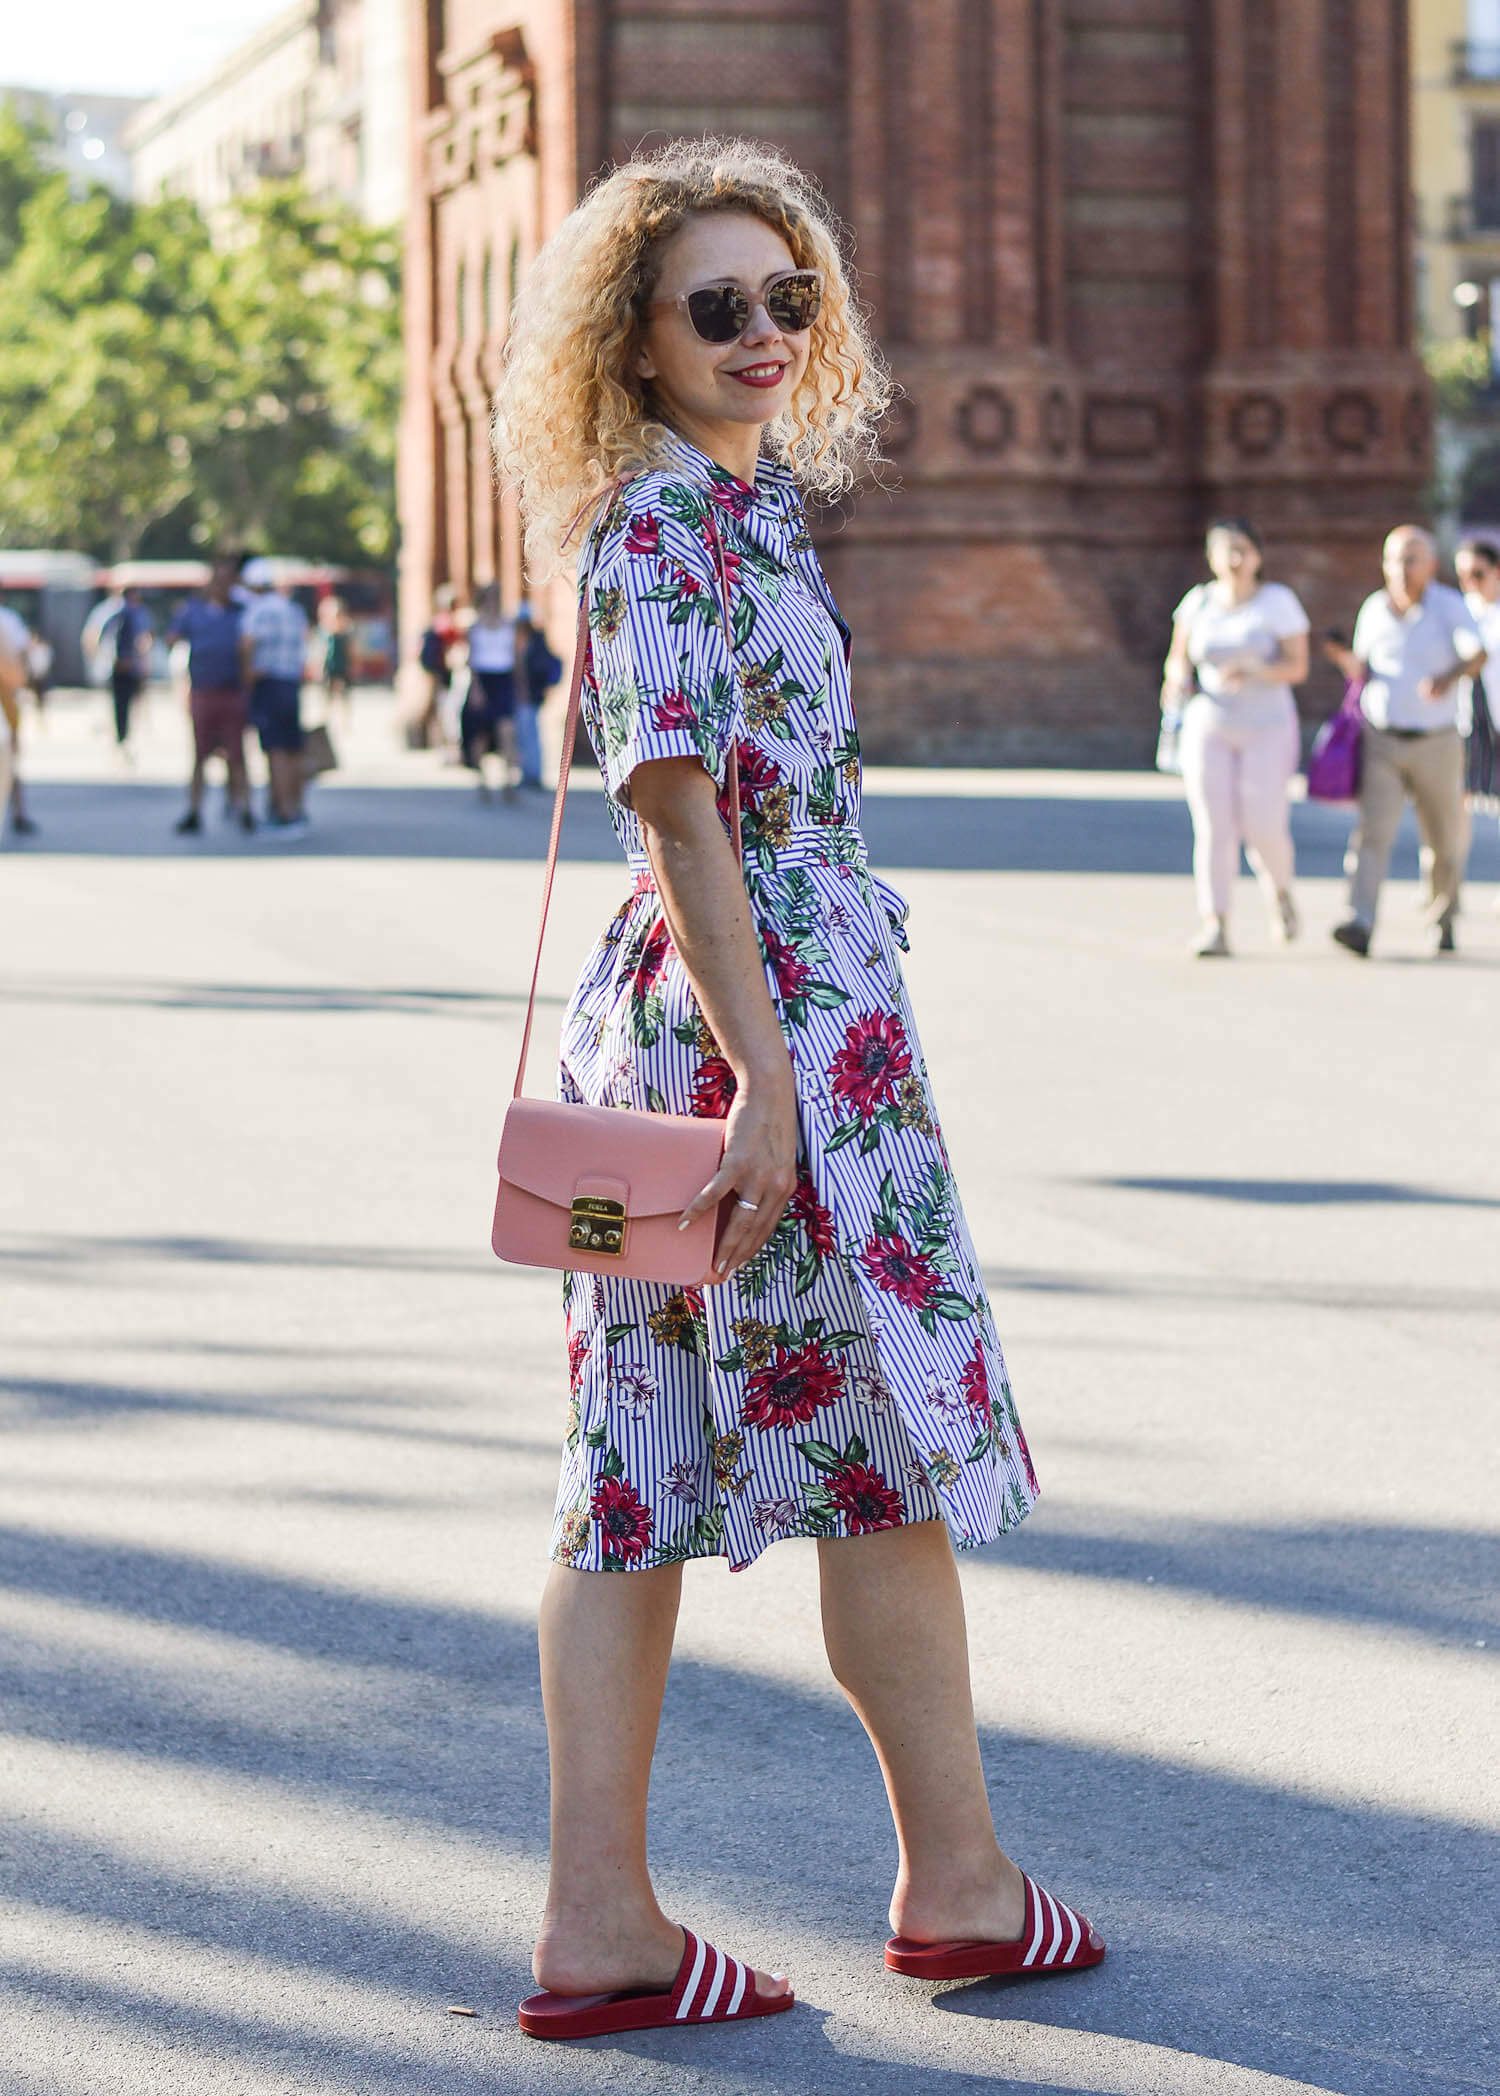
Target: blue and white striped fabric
<point x="850" y="1377"/>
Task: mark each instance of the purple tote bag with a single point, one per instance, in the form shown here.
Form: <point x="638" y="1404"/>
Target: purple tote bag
<point x="1333" y="767"/>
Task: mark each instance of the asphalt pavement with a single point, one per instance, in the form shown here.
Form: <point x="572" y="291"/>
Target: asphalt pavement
<point x="279" y="1449"/>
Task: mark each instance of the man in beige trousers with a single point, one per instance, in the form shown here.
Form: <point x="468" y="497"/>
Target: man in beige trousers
<point x="1414" y="644"/>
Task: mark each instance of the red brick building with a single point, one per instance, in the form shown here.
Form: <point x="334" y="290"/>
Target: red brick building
<point x="1135" y="262"/>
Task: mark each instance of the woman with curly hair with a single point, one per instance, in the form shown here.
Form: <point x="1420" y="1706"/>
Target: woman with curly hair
<point x="687" y="356"/>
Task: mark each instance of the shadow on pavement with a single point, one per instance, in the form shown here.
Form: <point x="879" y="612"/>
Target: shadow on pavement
<point x="298" y="998"/>
<point x="1248" y="1924"/>
<point x="1003" y="833"/>
<point x="1305" y="1193"/>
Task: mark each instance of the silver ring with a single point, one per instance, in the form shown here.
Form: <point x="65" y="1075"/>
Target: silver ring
<point x="753" y="1206"/>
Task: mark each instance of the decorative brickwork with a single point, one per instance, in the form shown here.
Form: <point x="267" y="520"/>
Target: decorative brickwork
<point x="1134" y="262"/>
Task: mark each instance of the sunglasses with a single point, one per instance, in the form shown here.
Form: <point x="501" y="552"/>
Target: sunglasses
<point x="721" y="312"/>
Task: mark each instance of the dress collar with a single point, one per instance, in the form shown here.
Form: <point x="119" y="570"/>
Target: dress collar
<point x="769" y="475"/>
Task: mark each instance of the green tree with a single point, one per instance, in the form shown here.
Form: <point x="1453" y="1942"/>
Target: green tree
<point x="163" y="390"/>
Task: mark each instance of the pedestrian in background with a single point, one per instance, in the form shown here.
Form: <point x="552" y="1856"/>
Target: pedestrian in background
<point x="336" y="634"/>
<point x="14" y="677"/>
<point x="487" y="722"/>
<point x="1477" y="564"/>
<point x="1239" y="644"/>
<point x="537" y="670"/>
<point x="209" y="623"/>
<point x="273" y="660"/>
<point x="1414" y="645"/>
<point x="130" y="632"/>
<point x="434" y="653"/>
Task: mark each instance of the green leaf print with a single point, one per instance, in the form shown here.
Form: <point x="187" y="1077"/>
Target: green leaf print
<point x="615" y="1333"/>
<point x="656" y="1102"/>
<point x="744" y="618"/>
<point x="646" y="1016"/>
<point x="888" y="1215"/>
<point x="809" y="1266"/>
<point x="949" y="1303"/>
<point x="820" y="1455"/>
<point x="612" y="1465"/>
<point x="733" y="1361"/>
<point x="683" y="504"/>
<point x="824" y="997"/>
<point x="845" y="1132"/>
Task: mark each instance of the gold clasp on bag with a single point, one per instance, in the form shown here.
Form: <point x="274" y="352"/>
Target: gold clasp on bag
<point x="598" y="1226"/>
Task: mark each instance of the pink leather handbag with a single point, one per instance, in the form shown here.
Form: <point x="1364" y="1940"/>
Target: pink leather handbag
<point x="600" y="1189"/>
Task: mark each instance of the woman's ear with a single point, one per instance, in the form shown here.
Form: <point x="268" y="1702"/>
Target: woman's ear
<point x="645" y="363"/>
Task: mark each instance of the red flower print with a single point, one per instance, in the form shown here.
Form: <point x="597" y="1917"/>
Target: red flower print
<point x="786" y="964"/>
<point x="644" y="535"/>
<point x="732" y="495"/>
<point x="975" y="1382"/>
<point x="814" y="1217"/>
<point x="871" y="1063"/>
<point x="1026" y="1459"/>
<point x="758" y="774"/>
<point x="674" y="709"/>
<point x="713" y="1089"/>
<point x="892" y="1265"/>
<point x="732" y="561"/>
<point x="654" y="956"/>
<point x="624" y="1523"/>
<point x="791" y="1387"/>
<point x="578" y="1353"/>
<point x="866" y="1501"/>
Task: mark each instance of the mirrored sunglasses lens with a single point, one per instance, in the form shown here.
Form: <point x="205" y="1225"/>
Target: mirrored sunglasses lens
<point x="794" y="303"/>
<point x="719" y="313"/>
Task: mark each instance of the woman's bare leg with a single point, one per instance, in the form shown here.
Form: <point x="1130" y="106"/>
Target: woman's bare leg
<point x="606" y="1644"/>
<point x="893" y="1621"/>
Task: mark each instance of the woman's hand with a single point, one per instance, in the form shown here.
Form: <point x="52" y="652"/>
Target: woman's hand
<point x="759" y="1168"/>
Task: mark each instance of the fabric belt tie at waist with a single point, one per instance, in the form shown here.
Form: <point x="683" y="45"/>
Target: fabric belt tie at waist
<point x="833" y="847"/>
<point x="1417" y="734"/>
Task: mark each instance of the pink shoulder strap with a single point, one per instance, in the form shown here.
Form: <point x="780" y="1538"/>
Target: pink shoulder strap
<point x="565" y="767"/>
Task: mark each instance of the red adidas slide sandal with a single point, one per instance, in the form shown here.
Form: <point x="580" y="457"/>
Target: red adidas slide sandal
<point x="709" y="1988"/>
<point x="1053" y="1939"/>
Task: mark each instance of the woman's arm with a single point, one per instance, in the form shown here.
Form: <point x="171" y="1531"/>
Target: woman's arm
<point x="1177" y="678"/>
<point x="1291" y="663"/>
<point x="708" y="915"/>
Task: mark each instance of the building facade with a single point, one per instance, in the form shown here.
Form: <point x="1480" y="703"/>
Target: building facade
<point x="1135" y="263"/>
<point x="320" y="92"/>
<point x="1456" y="162"/>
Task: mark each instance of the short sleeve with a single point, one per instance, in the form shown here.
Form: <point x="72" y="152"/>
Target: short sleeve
<point x="1363" y="637"/>
<point x="659" y="655"/>
<point x="1187" y="610"/>
<point x="1284" y="613"/>
<point x="1461" y="624"/>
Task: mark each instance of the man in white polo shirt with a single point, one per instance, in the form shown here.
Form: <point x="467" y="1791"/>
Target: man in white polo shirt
<point x="1414" y="645"/>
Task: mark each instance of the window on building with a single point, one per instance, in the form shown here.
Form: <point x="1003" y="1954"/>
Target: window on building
<point x="1483" y="54"/>
<point x="1484" y="172"/>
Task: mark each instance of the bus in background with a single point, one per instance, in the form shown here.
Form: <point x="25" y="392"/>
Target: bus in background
<point x="52" y="594"/>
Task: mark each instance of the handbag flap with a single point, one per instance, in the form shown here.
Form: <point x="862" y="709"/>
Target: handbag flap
<point x="553" y="1150"/>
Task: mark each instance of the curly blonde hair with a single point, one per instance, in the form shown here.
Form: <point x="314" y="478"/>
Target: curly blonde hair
<point x="571" y="413"/>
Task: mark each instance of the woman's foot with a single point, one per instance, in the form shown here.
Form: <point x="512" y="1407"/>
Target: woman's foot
<point x="595" y="1959"/>
<point x="1286" y="925"/>
<point x="1211" y="941"/>
<point x="989" y="1910"/>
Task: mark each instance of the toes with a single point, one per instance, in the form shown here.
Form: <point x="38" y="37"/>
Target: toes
<point x="771" y="1985"/>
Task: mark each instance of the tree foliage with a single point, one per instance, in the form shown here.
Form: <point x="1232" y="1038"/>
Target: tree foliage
<point x="165" y="386"/>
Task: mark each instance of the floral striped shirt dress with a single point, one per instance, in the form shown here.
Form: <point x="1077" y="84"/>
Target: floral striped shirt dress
<point x="849" y="1378"/>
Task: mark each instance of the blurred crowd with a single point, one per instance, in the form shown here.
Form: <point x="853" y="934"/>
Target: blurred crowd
<point x="1415" y="727"/>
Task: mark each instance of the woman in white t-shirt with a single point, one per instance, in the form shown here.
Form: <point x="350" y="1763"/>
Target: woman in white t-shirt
<point x="1238" y="646"/>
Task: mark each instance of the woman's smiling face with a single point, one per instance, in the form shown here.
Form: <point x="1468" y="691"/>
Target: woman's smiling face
<point x="731" y="388"/>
